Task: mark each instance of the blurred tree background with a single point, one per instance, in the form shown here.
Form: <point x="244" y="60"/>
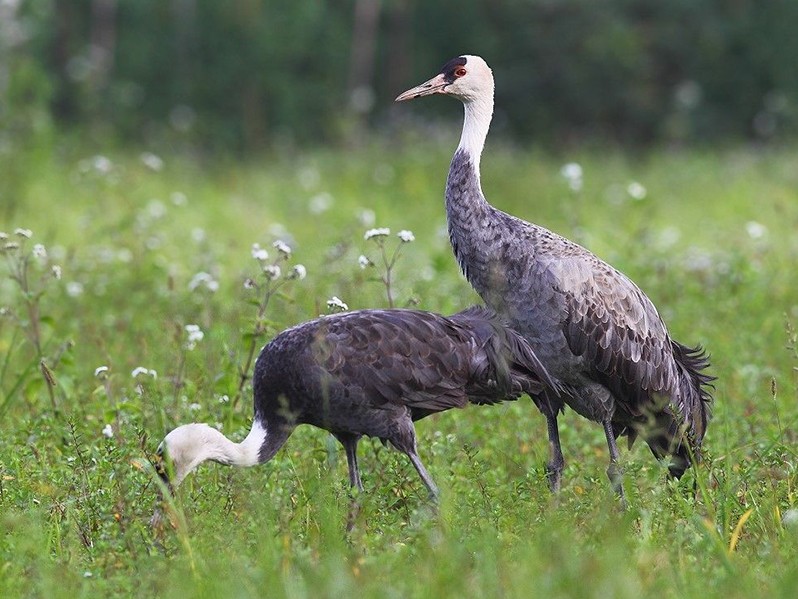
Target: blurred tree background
<point x="250" y="74"/>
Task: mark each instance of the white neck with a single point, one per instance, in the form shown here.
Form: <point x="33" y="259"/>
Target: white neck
<point x="190" y="445"/>
<point x="478" y="114"/>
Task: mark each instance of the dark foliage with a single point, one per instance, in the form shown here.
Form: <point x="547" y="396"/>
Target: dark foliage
<point x="256" y="73"/>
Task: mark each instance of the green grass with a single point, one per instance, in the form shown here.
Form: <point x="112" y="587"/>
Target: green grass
<point x="75" y="504"/>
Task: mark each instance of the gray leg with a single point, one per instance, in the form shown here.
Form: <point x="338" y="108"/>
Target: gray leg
<point x="350" y="445"/>
<point x="614" y="470"/>
<point x="556" y="462"/>
<point x="425" y="477"/>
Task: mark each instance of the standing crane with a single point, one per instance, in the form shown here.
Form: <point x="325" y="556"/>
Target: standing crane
<point x="367" y="372"/>
<point x="593" y="329"/>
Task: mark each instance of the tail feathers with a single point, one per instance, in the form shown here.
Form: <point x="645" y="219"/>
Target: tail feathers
<point x="694" y="399"/>
<point x="677" y="429"/>
<point x="524" y="358"/>
<point x="517" y="367"/>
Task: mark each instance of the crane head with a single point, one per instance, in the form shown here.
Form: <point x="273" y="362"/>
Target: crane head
<point x="465" y="77"/>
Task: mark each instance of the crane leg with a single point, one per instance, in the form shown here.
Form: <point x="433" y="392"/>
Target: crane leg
<point x="556" y="462"/>
<point x="349" y="442"/>
<point x="425" y="477"/>
<point x="614" y="470"/>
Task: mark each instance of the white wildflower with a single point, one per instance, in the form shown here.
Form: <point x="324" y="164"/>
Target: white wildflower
<point x="366" y="217"/>
<point x="335" y="303"/>
<point x="698" y="260"/>
<point x="101" y="164"/>
<point x="636" y="191"/>
<point x="298" y="272"/>
<point x="3" y="236"/>
<point x="572" y="173"/>
<point x="101" y="371"/>
<point x="203" y="279"/>
<point x="194" y="407"/>
<point x="141" y="370"/>
<point x="272" y="271"/>
<point x="151" y="161"/>
<point x="259" y="253"/>
<point x="406" y="236"/>
<point x="56" y="270"/>
<point x="11" y="245"/>
<point x="194" y="334"/>
<point x="755" y="230"/>
<point x="108" y="431"/>
<point x="39" y="251"/>
<point x="178" y="198"/>
<point x="224" y="399"/>
<point x="381" y="232"/>
<point x="320" y="203"/>
<point x="156" y="209"/>
<point x="364" y="261"/>
<point x="282" y="247"/>
<point x="308" y="177"/>
<point x="198" y="234"/>
<point x="278" y="230"/>
<point x="74" y="289"/>
<point x="87" y="574"/>
<point x="249" y="283"/>
<point x="26" y="233"/>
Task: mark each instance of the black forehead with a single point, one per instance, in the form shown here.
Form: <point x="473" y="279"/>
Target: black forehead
<point x="448" y="69"/>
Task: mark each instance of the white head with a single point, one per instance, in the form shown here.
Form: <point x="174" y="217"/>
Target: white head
<point x="187" y="446"/>
<point x="470" y="80"/>
<point x="467" y="78"/>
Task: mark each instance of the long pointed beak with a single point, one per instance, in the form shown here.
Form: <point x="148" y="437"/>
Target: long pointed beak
<point x="157" y="519"/>
<point x="436" y="85"/>
<point x="162" y="472"/>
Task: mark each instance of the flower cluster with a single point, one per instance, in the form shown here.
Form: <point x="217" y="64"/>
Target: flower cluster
<point x="141" y="370"/>
<point x="272" y="271"/>
<point x="388" y="259"/>
<point x="203" y="280"/>
<point x="406" y="236"/>
<point x="23" y="235"/>
<point x="572" y="173"/>
<point x="260" y="254"/>
<point x="381" y="232"/>
<point x="151" y="161"/>
<point x="335" y="304"/>
<point x="193" y="336"/>
<point x="282" y="247"/>
<point x="636" y="191"/>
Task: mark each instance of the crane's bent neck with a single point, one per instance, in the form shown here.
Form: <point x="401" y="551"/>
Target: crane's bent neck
<point x="193" y="444"/>
<point x="247" y="453"/>
<point x="478" y="114"/>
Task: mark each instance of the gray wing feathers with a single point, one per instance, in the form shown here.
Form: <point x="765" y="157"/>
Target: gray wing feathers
<point x="430" y="362"/>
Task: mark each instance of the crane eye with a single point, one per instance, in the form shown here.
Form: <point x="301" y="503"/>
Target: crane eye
<point x="459" y="72"/>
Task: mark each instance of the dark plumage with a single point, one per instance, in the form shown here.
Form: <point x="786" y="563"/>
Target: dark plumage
<point x="593" y="329"/>
<point x="369" y="372"/>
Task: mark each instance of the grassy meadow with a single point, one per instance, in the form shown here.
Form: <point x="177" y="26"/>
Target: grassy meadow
<point x="135" y="247"/>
